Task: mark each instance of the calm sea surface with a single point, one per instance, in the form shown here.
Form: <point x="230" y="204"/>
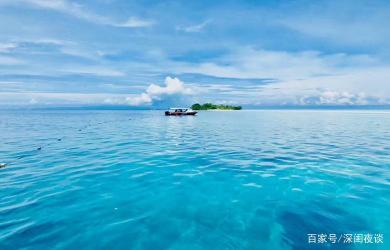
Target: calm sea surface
<point x="220" y="180"/>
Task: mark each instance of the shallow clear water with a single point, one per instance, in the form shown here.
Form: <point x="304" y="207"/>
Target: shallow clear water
<point x="220" y="180"/>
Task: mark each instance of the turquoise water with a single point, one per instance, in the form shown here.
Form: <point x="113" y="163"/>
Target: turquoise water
<point x="220" y="180"/>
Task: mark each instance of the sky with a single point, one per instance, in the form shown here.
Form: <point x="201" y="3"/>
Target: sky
<point x="148" y="53"/>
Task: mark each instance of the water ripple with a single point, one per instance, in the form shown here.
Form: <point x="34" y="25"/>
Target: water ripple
<point x="221" y="180"/>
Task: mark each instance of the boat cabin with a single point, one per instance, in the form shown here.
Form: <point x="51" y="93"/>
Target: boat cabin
<point x="180" y="111"/>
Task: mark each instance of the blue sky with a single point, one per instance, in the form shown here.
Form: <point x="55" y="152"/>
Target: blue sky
<point x="160" y="53"/>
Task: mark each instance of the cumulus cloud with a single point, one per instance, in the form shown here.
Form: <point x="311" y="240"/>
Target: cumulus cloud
<point x="173" y="88"/>
<point x="142" y="99"/>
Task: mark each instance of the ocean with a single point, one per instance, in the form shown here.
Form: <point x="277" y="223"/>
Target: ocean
<point x="250" y="179"/>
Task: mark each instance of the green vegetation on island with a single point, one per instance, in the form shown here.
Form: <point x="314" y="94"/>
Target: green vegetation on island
<point x="210" y="106"/>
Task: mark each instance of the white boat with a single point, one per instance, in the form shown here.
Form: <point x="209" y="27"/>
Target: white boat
<point x="180" y="111"/>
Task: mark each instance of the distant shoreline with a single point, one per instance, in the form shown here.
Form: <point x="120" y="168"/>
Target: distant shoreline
<point x="246" y="108"/>
<point x="221" y="110"/>
<point x="211" y="106"/>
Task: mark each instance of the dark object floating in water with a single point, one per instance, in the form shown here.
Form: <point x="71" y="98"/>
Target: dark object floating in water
<point x="3" y="165"/>
<point x="180" y="111"/>
<point x="39" y="148"/>
<point x="59" y="139"/>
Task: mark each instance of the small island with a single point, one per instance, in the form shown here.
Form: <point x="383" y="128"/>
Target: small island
<point x="210" y="106"/>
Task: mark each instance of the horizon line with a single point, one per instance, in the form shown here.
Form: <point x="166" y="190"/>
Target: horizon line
<point x="244" y="107"/>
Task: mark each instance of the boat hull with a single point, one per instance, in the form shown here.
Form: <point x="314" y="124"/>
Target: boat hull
<point x="167" y="113"/>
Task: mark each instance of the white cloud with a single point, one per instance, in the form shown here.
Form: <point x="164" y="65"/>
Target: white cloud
<point x="372" y="81"/>
<point x="94" y="70"/>
<point x="251" y="63"/>
<point x="340" y="98"/>
<point x="333" y="97"/>
<point x="49" y="98"/>
<point x="66" y="7"/>
<point x="135" y="22"/>
<point x="16" y="43"/>
<point x="65" y="47"/>
<point x="173" y="87"/>
<point x="51" y="41"/>
<point x="79" y="11"/>
<point x="142" y="99"/>
<point x="300" y="74"/>
<point x="194" y="28"/>
<point x="7" y="47"/>
<point x="51" y="4"/>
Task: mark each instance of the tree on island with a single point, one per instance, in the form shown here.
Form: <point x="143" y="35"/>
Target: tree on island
<point x="210" y="106"/>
